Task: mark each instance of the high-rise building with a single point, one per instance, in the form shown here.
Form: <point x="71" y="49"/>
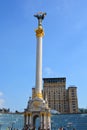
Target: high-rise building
<point x="72" y="99"/>
<point x="59" y="98"/>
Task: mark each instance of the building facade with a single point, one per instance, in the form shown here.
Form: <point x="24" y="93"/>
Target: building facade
<point x="72" y="99"/>
<point x="59" y="98"/>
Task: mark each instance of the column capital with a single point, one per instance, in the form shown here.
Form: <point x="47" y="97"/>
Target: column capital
<point x="39" y="95"/>
<point x="39" y="32"/>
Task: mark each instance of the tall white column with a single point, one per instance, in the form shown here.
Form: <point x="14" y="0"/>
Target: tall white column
<point x="39" y="65"/>
<point x="38" y="87"/>
<point x="39" y="34"/>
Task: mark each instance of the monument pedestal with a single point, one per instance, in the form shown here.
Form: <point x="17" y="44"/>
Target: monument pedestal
<point x="37" y="108"/>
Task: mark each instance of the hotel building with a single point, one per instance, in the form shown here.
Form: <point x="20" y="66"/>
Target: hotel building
<point x="59" y="98"/>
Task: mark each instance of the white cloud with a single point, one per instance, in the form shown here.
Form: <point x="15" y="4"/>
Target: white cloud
<point x="1" y="100"/>
<point x="1" y="103"/>
<point x="48" y="72"/>
<point x="1" y="94"/>
<point x="81" y="24"/>
<point x="64" y="6"/>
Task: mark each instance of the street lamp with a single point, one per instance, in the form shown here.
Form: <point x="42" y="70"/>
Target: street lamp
<point x="54" y="127"/>
<point x="12" y="125"/>
<point x="0" y="126"/>
<point x="51" y="125"/>
<point x="69" y="125"/>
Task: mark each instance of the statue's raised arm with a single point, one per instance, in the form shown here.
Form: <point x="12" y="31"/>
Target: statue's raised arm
<point x="40" y="16"/>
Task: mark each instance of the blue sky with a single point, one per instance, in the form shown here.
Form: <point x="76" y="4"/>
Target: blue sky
<point x="64" y="47"/>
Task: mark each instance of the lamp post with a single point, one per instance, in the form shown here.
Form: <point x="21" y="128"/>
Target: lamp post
<point x="54" y="127"/>
<point x="12" y="125"/>
<point x="51" y="125"/>
<point x="0" y="126"/>
<point x="69" y="125"/>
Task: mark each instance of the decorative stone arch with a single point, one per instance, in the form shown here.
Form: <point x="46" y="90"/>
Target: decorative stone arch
<point x="34" y="117"/>
<point x="45" y="119"/>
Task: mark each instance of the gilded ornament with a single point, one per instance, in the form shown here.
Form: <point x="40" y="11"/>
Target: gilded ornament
<point x="36" y="103"/>
<point x="39" y="95"/>
<point x="39" y="32"/>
